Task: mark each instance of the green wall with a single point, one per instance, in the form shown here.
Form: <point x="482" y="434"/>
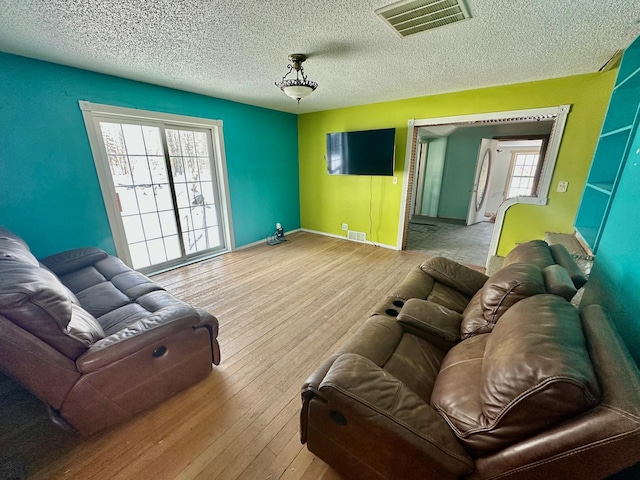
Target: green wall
<point x="49" y="188"/>
<point x="372" y="204"/>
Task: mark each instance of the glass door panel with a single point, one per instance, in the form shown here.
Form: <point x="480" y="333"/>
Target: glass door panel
<point x="196" y="189"/>
<point x="165" y="191"/>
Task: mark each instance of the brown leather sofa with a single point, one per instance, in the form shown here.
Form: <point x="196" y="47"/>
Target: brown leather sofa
<point x="481" y="378"/>
<point x="96" y="341"/>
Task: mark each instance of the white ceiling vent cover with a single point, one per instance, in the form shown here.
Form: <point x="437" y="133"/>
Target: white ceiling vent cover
<point x="412" y="16"/>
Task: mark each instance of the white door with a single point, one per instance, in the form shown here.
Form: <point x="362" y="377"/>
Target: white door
<point x="486" y="156"/>
<point x="165" y="189"/>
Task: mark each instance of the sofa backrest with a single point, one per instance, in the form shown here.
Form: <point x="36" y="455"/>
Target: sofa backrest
<point x="534" y="252"/>
<point x="529" y="269"/>
<point x="34" y="299"/>
<point x="533" y="371"/>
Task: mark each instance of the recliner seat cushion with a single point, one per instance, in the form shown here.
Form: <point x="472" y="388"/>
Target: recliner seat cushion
<point x="535" y="373"/>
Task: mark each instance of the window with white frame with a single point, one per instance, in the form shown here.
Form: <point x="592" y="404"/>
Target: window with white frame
<point x="525" y="173"/>
<point x="163" y="180"/>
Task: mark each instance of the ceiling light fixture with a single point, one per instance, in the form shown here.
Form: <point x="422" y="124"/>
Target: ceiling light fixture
<point x="299" y="87"/>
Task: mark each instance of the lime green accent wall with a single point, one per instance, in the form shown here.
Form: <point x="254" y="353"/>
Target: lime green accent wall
<point x="372" y="204"/>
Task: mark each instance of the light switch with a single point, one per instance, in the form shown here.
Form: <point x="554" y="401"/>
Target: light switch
<point x="562" y="186"/>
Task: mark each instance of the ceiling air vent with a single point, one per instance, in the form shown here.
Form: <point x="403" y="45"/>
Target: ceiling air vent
<point x="412" y="16"/>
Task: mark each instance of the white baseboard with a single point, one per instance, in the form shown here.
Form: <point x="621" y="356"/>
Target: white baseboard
<point x="390" y="247"/>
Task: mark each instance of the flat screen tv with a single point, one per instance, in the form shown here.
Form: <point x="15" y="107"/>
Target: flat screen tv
<point x="369" y="152"/>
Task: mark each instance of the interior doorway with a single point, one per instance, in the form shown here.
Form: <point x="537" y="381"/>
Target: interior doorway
<point x="455" y="181"/>
<point x="506" y="167"/>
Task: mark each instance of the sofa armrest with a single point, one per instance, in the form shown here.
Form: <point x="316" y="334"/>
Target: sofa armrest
<point x="562" y="257"/>
<point x="72" y="260"/>
<point x="162" y="324"/>
<point x="434" y="323"/>
<point x="370" y="400"/>
<point x="455" y="275"/>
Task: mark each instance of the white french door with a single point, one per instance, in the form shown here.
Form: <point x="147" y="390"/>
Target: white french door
<point x="162" y="181"/>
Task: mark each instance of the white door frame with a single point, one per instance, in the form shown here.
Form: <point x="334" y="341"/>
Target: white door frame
<point x="558" y="113"/>
<point x="104" y="175"/>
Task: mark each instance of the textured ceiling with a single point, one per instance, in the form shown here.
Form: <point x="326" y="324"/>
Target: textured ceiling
<point x="236" y="49"/>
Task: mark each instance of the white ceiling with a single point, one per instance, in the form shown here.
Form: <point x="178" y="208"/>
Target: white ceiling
<point x="236" y="49"/>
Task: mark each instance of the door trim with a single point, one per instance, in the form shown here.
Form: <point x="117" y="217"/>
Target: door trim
<point x="558" y="113"/>
<point x="104" y="175"/>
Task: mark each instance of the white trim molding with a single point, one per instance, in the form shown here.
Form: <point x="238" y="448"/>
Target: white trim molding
<point x="341" y="237"/>
<point x="92" y="112"/>
<point x="559" y="116"/>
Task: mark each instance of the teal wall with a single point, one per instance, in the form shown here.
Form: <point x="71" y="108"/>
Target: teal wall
<point x="49" y="191"/>
<point x="615" y="279"/>
<point x="461" y="158"/>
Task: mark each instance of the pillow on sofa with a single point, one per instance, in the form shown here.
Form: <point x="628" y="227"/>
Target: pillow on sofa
<point x="536" y="372"/>
<point x="84" y="326"/>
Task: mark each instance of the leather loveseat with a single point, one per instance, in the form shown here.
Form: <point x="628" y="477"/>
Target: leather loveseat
<point x="96" y="341"/>
<point x="459" y="375"/>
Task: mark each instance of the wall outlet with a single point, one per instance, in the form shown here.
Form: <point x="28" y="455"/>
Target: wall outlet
<point x="345" y="227"/>
<point x="562" y="186"/>
<point x="395" y="180"/>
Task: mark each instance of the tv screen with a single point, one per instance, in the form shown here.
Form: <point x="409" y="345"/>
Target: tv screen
<point x="369" y="152"/>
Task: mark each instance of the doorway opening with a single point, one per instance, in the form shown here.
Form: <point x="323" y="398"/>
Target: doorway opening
<point x="463" y="173"/>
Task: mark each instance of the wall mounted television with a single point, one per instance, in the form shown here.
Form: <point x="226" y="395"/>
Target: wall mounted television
<point x="368" y="152"/>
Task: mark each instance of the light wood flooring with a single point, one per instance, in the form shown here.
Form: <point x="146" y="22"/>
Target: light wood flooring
<point x="282" y="310"/>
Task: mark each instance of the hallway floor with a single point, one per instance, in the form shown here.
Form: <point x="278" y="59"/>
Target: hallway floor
<point x="464" y="244"/>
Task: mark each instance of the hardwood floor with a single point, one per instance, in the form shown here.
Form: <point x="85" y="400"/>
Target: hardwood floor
<point x="282" y="310"/>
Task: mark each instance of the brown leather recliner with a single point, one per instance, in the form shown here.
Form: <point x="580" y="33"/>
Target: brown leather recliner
<point x="95" y="340"/>
<point x="516" y="385"/>
<point x="453" y="285"/>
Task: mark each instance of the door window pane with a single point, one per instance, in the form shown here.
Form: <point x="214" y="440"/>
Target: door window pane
<point x="150" y="196"/>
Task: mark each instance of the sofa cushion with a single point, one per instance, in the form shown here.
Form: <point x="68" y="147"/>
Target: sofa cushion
<point x="473" y="321"/>
<point x="508" y="286"/>
<point x="84" y="326"/>
<point x="456" y="393"/>
<point x="448" y="297"/>
<point x="102" y="298"/>
<point x="536" y="372"/>
<point x="504" y="288"/>
<point x="35" y="300"/>
<point x="13" y="247"/>
<point x="535" y="252"/>
<point x="455" y="275"/>
<point x="73" y="260"/>
<point x="430" y="321"/>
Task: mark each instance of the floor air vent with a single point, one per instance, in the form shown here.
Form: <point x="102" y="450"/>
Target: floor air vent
<point x="413" y="16"/>
<point x="356" y="236"/>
